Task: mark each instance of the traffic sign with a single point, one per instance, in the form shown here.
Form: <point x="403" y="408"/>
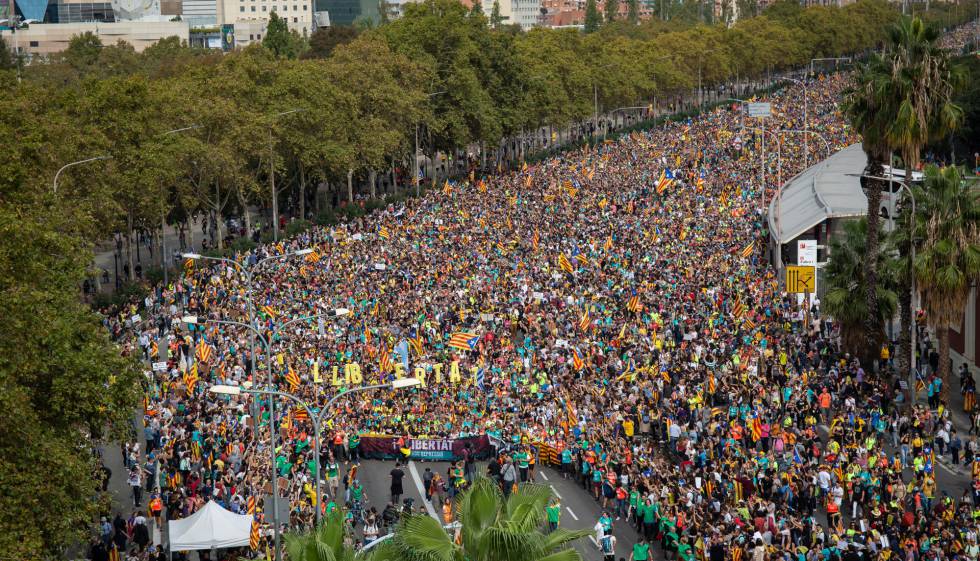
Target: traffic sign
<point x="801" y="279"/>
<point x="760" y="109"/>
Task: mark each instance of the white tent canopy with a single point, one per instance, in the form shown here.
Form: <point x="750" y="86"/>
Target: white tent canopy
<point x="212" y="527"/>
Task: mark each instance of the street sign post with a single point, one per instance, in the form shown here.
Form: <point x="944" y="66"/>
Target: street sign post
<point x="801" y="279"/>
<point x="760" y="109"/>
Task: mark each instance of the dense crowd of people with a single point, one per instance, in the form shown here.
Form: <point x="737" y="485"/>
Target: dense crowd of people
<point x="613" y="305"/>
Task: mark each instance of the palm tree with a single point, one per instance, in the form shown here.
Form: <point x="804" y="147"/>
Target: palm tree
<point x="924" y="82"/>
<point x="870" y="108"/>
<point x="329" y="542"/>
<point x="845" y="276"/>
<point x="492" y="529"/>
<point x="948" y="257"/>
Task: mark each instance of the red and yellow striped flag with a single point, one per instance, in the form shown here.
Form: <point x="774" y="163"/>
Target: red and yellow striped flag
<point x="292" y="379"/>
<point x="254" y="536"/>
<point x="564" y="263"/>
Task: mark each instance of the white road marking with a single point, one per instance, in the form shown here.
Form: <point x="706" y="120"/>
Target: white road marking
<point x="543" y="475"/>
<point x="573" y="514"/>
<point x="593" y="541"/>
<point x="418" y="484"/>
<point x="555" y="491"/>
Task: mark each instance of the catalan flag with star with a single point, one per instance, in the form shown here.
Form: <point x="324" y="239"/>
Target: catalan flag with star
<point x="292" y="379"/>
<point x="463" y="340"/>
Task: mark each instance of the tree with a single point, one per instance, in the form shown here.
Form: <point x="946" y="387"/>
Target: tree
<point x="279" y="40"/>
<point x="495" y="18"/>
<point x="83" y="51"/>
<point x="633" y="16"/>
<point x="611" y="9"/>
<point x="867" y="104"/>
<point x="493" y="529"/>
<point x="64" y="386"/>
<point x="592" y="18"/>
<point x="326" y="543"/>
<point x="477" y="9"/>
<point x="325" y="39"/>
<point x="7" y="60"/>
<point x="845" y="275"/>
<point x="947" y="262"/>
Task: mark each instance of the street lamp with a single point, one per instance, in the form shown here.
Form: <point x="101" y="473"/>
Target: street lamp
<point x="54" y="186"/>
<point x="806" y="125"/>
<point x="194" y="320"/>
<point x="249" y="272"/>
<point x="316" y="417"/>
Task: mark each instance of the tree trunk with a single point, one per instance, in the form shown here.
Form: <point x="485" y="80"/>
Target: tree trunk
<point x="190" y="233"/>
<point x="217" y="216"/>
<point x="942" y="333"/>
<point x="905" y="306"/>
<point x="129" y="246"/>
<point x="350" y="186"/>
<point x="246" y="217"/>
<point x="373" y="180"/>
<point x="302" y="192"/>
<point x="872" y="322"/>
<point x="394" y="175"/>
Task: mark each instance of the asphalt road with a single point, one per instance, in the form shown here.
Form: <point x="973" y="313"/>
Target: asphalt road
<point x="579" y="509"/>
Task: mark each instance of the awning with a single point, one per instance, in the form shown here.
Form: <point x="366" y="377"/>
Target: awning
<point x="212" y="527"/>
<point x="830" y="189"/>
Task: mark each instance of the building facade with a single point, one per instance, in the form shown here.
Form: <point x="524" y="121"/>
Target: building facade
<point x="46" y="39"/>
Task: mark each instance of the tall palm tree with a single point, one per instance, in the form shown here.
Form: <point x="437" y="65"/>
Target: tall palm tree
<point x="492" y="529"/>
<point x="329" y="542"/>
<point x="845" y="276"/>
<point x="947" y="262"/>
<point x="869" y="104"/>
<point x="924" y="81"/>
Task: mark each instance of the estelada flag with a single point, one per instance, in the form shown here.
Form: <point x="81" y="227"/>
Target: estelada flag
<point x="747" y="250"/>
<point x="577" y="362"/>
<point x="464" y="340"/>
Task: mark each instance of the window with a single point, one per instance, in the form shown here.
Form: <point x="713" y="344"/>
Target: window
<point x="253" y="8"/>
<point x="295" y="20"/>
<point x="285" y="8"/>
<point x="251" y="37"/>
<point x="263" y="8"/>
<point x="294" y="7"/>
<point x="33" y="43"/>
<point x="241" y="8"/>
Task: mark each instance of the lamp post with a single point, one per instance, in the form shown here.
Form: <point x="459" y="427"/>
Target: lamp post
<point x="806" y="125"/>
<point x="194" y="320"/>
<point x="272" y="176"/>
<point x="316" y="417"/>
<point x="249" y="272"/>
<point x="54" y="185"/>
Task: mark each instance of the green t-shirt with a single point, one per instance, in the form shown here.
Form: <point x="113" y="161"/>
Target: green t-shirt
<point x="684" y="551"/>
<point x="521" y="458"/>
<point x="332" y="470"/>
<point x="649" y="514"/>
<point x="356" y="492"/>
<point x="553" y="513"/>
<point x="641" y="551"/>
